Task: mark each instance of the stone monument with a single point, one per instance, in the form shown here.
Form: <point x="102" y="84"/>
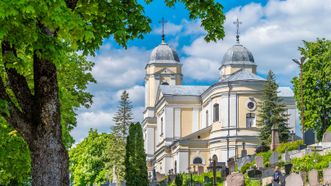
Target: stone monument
<point x="274" y="137"/>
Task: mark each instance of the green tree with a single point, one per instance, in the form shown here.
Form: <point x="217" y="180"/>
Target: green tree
<point x="14" y="157"/>
<point x="316" y="78"/>
<point x="123" y="116"/>
<point x="272" y="112"/>
<point x="90" y="162"/>
<point x="37" y="37"/>
<point x="135" y="158"/>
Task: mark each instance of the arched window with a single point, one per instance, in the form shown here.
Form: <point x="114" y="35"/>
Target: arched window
<point x="197" y="160"/>
<point x="216" y="112"/>
<point x="165" y="83"/>
<point x="250" y="120"/>
<point x="207" y="118"/>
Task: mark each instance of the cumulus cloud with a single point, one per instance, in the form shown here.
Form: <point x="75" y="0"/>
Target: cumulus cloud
<point x="272" y="33"/>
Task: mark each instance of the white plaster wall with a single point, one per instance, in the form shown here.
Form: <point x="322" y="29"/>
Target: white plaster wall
<point x="168" y="122"/>
<point x="168" y="164"/>
<point x="150" y="141"/>
<point x="195" y="120"/>
<point x="183" y="162"/>
<point x="224" y="111"/>
<point x="292" y="118"/>
<point x="146" y="93"/>
<point x="177" y="123"/>
<point x="233" y="110"/>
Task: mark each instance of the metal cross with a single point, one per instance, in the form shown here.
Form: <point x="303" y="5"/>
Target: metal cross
<point x="163" y="21"/>
<point x="237" y="23"/>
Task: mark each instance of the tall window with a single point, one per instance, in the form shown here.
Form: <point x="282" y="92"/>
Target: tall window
<point x="250" y="120"/>
<point x="161" y="126"/>
<point x="216" y="113"/>
<point x="206" y="118"/>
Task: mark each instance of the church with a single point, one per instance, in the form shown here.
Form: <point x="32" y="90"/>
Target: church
<point x="186" y="125"/>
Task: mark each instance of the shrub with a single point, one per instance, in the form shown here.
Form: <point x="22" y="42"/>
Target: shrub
<point x="311" y="161"/>
<point x="245" y="167"/>
<point x="289" y="146"/>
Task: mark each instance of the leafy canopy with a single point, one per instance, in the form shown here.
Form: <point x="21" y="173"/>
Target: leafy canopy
<point x="316" y="79"/>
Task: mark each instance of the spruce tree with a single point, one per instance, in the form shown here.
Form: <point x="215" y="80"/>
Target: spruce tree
<point x="272" y="112"/>
<point x="123" y="116"/>
<point x="135" y="158"/>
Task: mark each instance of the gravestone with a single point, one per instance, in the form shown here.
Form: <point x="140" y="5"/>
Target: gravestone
<point x="254" y="173"/>
<point x="231" y="164"/>
<point x="274" y="158"/>
<point x="313" y="178"/>
<point x="293" y="179"/>
<point x="235" y="179"/>
<point x="267" y="181"/>
<point x="243" y="153"/>
<point x="327" y="176"/>
<point x="267" y="172"/>
<point x="326" y="136"/>
<point x="309" y="137"/>
<point x="286" y="157"/>
<point x="259" y="162"/>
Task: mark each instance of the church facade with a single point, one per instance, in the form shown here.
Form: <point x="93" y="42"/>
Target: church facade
<point x="184" y="126"/>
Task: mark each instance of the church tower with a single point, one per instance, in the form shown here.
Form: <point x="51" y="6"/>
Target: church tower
<point x="237" y="58"/>
<point x="163" y="68"/>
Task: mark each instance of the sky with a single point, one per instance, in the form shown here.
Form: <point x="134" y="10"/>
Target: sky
<point x="272" y="30"/>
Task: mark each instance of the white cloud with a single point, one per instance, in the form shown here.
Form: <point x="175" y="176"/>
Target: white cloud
<point x="272" y="33"/>
<point x="169" y="29"/>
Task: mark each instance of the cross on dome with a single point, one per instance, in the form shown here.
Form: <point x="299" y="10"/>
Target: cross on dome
<point x="163" y="21"/>
<point x="237" y="23"/>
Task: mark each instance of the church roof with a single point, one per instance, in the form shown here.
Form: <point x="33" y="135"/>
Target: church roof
<point x="243" y="75"/>
<point x="182" y="90"/>
<point x="285" y="92"/>
<point x="163" y="54"/>
<point x="238" y="55"/>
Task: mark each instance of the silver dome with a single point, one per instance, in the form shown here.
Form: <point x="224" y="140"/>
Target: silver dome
<point x="238" y="54"/>
<point x="163" y="54"/>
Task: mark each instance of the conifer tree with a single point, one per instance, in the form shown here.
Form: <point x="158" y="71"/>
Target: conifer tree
<point x="272" y="112"/>
<point x="135" y="158"/>
<point x="123" y="116"/>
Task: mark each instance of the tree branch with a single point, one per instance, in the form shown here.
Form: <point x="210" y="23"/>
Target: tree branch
<point x="17" y="82"/>
<point x="15" y="118"/>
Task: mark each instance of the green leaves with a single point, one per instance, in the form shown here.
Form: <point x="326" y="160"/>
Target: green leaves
<point x="316" y="86"/>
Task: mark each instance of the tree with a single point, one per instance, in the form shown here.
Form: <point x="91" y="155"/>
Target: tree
<point x="123" y="117"/>
<point x="90" y="162"/>
<point x="316" y="78"/>
<point x="37" y="37"/>
<point x="272" y="112"/>
<point x="135" y="158"/>
<point x="15" y="162"/>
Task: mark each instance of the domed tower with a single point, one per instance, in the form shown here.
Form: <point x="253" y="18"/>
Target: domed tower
<point x="237" y="58"/>
<point x="163" y="68"/>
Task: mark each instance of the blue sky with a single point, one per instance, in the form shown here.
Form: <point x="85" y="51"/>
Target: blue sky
<point x="272" y="30"/>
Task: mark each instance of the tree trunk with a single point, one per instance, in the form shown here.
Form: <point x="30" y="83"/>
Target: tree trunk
<point x="49" y="156"/>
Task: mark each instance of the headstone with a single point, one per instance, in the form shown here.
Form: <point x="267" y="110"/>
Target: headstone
<point x="243" y="160"/>
<point x="274" y="158"/>
<point x="259" y="162"/>
<point x="286" y="157"/>
<point x="313" y="178"/>
<point x="327" y="176"/>
<point x="267" y="181"/>
<point x="326" y="136"/>
<point x="274" y="137"/>
<point x="293" y="179"/>
<point x="267" y="172"/>
<point x="231" y="164"/>
<point x="254" y="173"/>
<point x="235" y="179"/>
<point x="309" y="137"/>
<point x="288" y="168"/>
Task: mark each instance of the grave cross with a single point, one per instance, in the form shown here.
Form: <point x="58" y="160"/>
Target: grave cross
<point x="237" y="23"/>
<point x="163" y="21"/>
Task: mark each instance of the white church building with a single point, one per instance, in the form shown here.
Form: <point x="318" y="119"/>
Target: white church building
<point x="184" y="126"/>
